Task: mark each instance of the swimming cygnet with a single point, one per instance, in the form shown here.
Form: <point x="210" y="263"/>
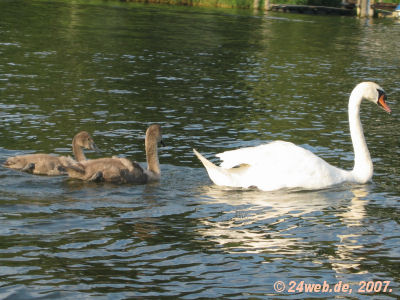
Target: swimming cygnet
<point x="47" y="164"/>
<point x="122" y="170"/>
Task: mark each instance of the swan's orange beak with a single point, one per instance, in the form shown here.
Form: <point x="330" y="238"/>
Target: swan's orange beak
<point x="383" y="104"/>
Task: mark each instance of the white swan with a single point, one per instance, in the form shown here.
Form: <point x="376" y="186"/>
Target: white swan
<point x="280" y="164"/>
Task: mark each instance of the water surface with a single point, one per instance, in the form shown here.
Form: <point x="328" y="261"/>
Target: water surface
<point x="214" y="80"/>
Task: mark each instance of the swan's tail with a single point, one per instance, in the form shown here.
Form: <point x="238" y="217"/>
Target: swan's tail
<point x="66" y="161"/>
<point x="14" y="163"/>
<point x="73" y="168"/>
<point x="218" y="175"/>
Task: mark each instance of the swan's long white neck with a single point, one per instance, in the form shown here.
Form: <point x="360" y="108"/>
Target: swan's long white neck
<point x="363" y="168"/>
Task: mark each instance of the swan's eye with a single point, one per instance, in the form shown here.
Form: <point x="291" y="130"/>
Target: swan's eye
<point x="381" y="93"/>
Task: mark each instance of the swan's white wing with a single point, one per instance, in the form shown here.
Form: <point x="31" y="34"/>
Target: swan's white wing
<point x="253" y="155"/>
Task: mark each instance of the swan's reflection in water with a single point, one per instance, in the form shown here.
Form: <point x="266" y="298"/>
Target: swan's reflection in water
<point x="346" y="257"/>
<point x="321" y="226"/>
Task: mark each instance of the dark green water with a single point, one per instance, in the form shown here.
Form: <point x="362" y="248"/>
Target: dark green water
<point x="214" y="80"/>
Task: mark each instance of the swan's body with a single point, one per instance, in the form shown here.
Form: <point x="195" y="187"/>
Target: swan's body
<point x="122" y="170"/>
<point x="280" y="164"/>
<point x="264" y="167"/>
<point x="47" y="164"/>
<point x="109" y="169"/>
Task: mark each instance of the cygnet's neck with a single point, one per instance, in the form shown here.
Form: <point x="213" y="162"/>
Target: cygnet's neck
<point x="153" y="165"/>
<point x="78" y="151"/>
<point x="363" y="168"/>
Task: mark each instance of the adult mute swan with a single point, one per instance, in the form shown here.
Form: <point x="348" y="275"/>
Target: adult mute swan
<point x="47" y="164"/>
<point x="122" y="170"/>
<point x="280" y="164"/>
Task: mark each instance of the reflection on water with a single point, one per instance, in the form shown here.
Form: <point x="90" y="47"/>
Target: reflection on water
<point x="238" y="230"/>
<point x="348" y="246"/>
<point x="215" y="80"/>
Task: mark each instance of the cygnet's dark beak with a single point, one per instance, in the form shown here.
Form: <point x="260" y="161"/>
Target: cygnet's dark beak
<point x="94" y="147"/>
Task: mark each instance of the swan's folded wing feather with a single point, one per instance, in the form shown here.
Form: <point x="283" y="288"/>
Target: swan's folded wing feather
<point x="75" y="168"/>
<point x="253" y="155"/>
